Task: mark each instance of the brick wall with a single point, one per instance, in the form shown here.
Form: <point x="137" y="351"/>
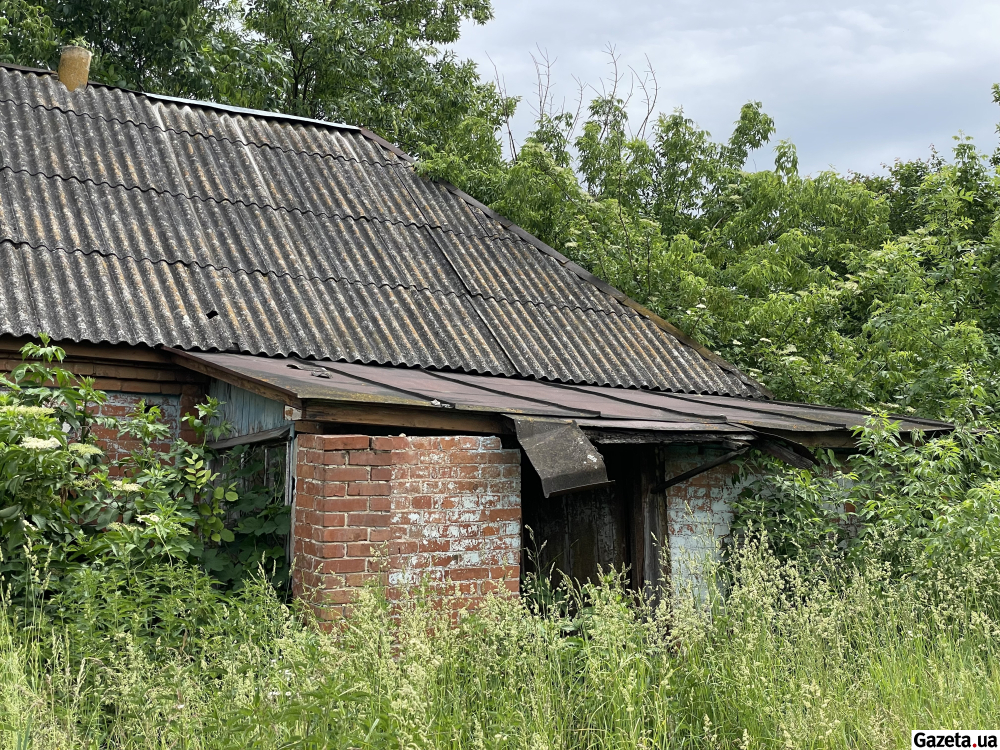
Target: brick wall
<point x="173" y="408"/>
<point x="699" y="511"/>
<point x="445" y="510"/>
<point x="120" y="405"/>
<point x="128" y="374"/>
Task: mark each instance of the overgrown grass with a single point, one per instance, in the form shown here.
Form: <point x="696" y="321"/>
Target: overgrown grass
<point x="791" y="657"/>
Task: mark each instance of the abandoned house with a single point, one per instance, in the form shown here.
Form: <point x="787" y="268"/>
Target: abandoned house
<point x="439" y="380"/>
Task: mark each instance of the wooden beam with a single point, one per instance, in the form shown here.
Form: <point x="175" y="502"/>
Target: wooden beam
<point x="683" y="477"/>
<point x="278" y="433"/>
<point x="112" y="352"/>
<point x="800" y="458"/>
<point x="405" y="416"/>
<point x="832" y="439"/>
<point x="614" y="437"/>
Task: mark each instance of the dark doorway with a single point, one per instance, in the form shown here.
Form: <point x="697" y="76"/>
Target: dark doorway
<point x="582" y="533"/>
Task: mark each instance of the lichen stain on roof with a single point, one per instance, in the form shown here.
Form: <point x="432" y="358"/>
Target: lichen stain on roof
<point x="127" y="217"/>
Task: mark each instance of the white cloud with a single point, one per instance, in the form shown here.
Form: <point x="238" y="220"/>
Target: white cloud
<point x="852" y="84"/>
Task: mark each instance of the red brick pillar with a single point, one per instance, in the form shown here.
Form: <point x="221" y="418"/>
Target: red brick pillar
<point x="440" y="510"/>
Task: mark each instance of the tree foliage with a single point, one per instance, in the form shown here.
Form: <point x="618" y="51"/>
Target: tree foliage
<point x="166" y="46"/>
<point x="910" y="503"/>
<point x="377" y="64"/>
<point x="380" y="64"/>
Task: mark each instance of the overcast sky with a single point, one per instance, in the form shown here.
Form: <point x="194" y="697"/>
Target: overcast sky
<point x="853" y="85"/>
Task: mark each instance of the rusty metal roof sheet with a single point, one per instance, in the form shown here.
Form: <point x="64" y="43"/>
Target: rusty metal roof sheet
<point x="604" y="407"/>
<point x="135" y="218"/>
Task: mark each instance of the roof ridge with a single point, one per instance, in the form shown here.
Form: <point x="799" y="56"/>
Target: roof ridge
<point x="197" y="102"/>
<point x="27" y="69"/>
<point x="247" y="111"/>
<point x="103" y="253"/>
<point x="196" y="134"/>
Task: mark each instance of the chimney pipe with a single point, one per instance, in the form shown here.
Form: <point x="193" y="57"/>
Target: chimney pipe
<point x="74" y="67"/>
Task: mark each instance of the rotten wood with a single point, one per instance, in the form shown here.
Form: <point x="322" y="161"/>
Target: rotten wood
<point x="788" y="454"/>
<point x="651" y="437"/>
<point x="110" y="352"/>
<point x="253" y="438"/>
<point x="832" y="439"/>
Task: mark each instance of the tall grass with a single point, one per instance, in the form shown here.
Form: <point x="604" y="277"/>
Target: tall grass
<point x="791" y="656"/>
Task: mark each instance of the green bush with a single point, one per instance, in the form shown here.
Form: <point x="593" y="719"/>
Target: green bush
<point x="912" y="500"/>
<point x="66" y="510"/>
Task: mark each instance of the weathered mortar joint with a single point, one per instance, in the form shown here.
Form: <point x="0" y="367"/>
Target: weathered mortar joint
<point x="412" y="511"/>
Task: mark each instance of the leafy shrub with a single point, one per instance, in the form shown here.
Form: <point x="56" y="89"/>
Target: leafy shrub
<point x="910" y="501"/>
<point x="65" y="509"/>
<point x="259" y="518"/>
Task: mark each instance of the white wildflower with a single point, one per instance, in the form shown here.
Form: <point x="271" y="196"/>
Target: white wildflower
<point x="151" y="518"/>
<point x="40" y="444"/>
<point x="12" y="410"/>
<point x="85" y="449"/>
<point x="701" y="306"/>
<point x="125" y="486"/>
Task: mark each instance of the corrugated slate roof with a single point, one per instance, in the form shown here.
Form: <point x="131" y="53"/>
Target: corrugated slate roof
<point x="127" y="217"/>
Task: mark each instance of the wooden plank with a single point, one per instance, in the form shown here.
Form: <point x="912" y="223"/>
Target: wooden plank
<point x="113" y="352"/>
<point x="659" y="524"/>
<point x="651" y="534"/>
<point x="649" y="437"/>
<point x="833" y="439"/>
<point x="639" y="529"/>
<point x="404" y="416"/>
<point x="278" y="433"/>
<point x="700" y="469"/>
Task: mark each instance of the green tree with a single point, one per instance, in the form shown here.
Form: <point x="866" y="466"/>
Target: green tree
<point x="376" y="64"/>
<point x="382" y="65"/>
<point x="165" y="46"/>
<point x="848" y="290"/>
<point x="27" y="35"/>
